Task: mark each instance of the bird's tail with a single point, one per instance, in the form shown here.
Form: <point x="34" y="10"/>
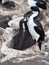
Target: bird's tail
<point x="40" y="45"/>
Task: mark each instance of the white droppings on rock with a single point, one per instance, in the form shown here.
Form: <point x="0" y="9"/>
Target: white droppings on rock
<point x="15" y="23"/>
<point x="47" y="33"/>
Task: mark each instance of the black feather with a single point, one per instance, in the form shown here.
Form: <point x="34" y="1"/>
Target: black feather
<point x="41" y="32"/>
<point x="42" y="5"/>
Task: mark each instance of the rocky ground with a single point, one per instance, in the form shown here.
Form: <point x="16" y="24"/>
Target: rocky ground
<point x="32" y="58"/>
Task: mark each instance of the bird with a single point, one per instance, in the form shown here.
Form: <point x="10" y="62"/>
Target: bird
<point x="4" y="21"/>
<point x="36" y="5"/>
<point x="35" y="28"/>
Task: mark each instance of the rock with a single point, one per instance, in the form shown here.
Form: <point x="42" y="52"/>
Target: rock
<point x="47" y="33"/>
<point x="4" y="37"/>
<point x="4" y="21"/>
<point x="12" y="32"/>
<point x="9" y="4"/>
<point x="22" y="40"/>
<point x="15" y="23"/>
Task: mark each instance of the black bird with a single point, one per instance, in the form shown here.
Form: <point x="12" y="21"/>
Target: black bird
<point x="4" y="21"/>
<point x="35" y="27"/>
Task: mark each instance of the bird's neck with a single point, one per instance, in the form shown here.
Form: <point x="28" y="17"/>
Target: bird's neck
<point x="35" y="13"/>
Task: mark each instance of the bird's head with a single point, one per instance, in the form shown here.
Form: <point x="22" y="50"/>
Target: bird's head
<point x="35" y="8"/>
<point x="42" y="5"/>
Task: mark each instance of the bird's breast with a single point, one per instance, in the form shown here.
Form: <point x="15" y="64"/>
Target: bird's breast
<point x="31" y="29"/>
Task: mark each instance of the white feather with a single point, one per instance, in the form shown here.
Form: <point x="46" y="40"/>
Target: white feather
<point x="31" y="3"/>
<point x="11" y="31"/>
<point x="31" y="25"/>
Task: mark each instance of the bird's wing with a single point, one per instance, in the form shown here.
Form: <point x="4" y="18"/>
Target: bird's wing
<point x="39" y="30"/>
